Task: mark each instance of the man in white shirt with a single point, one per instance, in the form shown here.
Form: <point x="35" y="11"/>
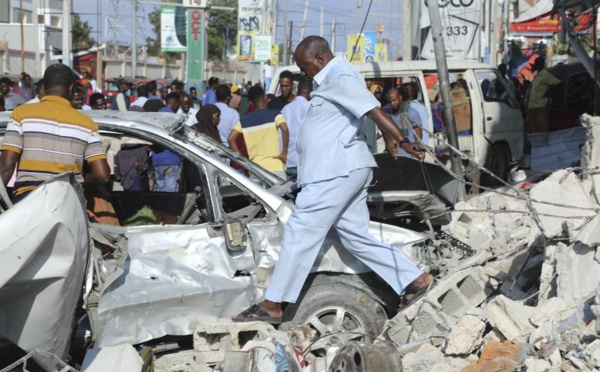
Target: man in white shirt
<point x="229" y="117"/>
<point x="268" y="71"/>
<point x="142" y="93"/>
<point x="417" y="115"/>
<point x="294" y="114"/>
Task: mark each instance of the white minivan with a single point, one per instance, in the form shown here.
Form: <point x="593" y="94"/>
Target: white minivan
<point x="489" y="118"/>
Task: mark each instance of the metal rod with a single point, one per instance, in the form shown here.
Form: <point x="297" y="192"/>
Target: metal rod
<point x="440" y="58"/>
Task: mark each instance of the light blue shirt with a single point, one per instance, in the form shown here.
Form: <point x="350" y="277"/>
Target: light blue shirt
<point x="329" y="141"/>
<point x="209" y="97"/>
<point x="229" y="118"/>
<point x="418" y="116"/>
<point x="294" y="114"/>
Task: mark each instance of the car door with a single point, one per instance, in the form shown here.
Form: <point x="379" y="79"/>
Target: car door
<point x="502" y="120"/>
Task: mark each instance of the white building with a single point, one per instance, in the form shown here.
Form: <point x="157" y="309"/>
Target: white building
<point x="47" y="39"/>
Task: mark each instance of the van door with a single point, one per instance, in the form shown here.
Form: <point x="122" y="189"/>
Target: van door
<point x="501" y="125"/>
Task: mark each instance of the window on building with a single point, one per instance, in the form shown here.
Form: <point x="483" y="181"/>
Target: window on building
<point x="27" y="16"/>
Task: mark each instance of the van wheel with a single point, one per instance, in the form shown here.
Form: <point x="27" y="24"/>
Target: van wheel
<point x="338" y="313"/>
<point x="498" y="163"/>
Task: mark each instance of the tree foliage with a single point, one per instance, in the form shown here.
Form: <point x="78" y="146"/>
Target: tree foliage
<point x="217" y="29"/>
<point x="82" y="31"/>
<point x="217" y="32"/>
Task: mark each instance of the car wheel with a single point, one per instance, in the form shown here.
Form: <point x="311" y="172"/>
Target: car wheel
<point x="338" y="313"/>
<point x="498" y="163"/>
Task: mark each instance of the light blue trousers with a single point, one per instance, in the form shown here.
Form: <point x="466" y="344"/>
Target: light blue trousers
<point x="341" y="203"/>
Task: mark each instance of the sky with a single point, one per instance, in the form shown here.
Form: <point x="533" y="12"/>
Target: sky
<point x="348" y="18"/>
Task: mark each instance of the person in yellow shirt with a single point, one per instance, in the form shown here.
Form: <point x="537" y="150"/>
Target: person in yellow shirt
<point x="260" y="129"/>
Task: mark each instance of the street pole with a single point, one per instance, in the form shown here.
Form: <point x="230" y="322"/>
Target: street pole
<point x="321" y="31"/>
<point x="36" y="27"/>
<point x="285" y="32"/>
<point x="302" y="32"/>
<point x="66" y="34"/>
<point x="406" y="31"/>
<point x="22" y="38"/>
<point x="333" y="36"/>
<point x="134" y="39"/>
<point x="415" y="29"/>
<point x="440" y="59"/>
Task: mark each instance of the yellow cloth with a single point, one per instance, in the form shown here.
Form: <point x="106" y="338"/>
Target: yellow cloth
<point x="262" y="142"/>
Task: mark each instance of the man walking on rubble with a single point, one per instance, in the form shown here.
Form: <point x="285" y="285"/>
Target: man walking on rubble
<point x="335" y="172"/>
<point x="51" y="137"/>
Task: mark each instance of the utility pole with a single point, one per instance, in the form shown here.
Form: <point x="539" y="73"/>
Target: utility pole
<point x="304" y="20"/>
<point x="289" y="46"/>
<point x="406" y="31"/>
<point x="36" y="27"/>
<point x="274" y="33"/>
<point x="440" y="59"/>
<point x="22" y="37"/>
<point x="333" y="30"/>
<point x="285" y="33"/>
<point x="321" y="31"/>
<point x="67" y="40"/>
<point x="415" y="29"/>
<point x="134" y="39"/>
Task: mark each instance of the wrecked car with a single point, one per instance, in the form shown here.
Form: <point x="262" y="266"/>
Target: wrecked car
<point x="206" y="252"/>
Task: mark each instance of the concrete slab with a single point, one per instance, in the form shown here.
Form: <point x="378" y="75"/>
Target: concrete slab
<point x="509" y="317"/>
<point x="465" y="337"/>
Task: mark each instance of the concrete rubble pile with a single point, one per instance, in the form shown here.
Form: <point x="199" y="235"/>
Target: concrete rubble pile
<point x="530" y="297"/>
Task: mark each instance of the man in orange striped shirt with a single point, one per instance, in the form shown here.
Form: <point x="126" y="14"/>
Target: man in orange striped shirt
<point x="50" y="138"/>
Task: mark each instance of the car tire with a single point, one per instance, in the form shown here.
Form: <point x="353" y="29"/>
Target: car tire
<point x="338" y="311"/>
<point x="498" y="163"/>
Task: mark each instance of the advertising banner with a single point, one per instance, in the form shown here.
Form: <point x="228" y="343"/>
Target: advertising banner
<point x="381" y="52"/>
<point x="250" y="24"/>
<point x="358" y="49"/>
<point x="169" y="29"/>
<point x="262" y="48"/>
<point x="369" y="50"/>
<point x="461" y="23"/>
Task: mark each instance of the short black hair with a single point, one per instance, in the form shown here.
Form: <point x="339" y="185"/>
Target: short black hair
<point x="193" y="88"/>
<point x="58" y="75"/>
<point x="304" y="85"/>
<point x="78" y="88"/>
<point x="142" y="90"/>
<point x="96" y="96"/>
<point x="153" y="105"/>
<point x="287" y="74"/>
<point x="405" y="91"/>
<point x="255" y="93"/>
<point x="223" y="92"/>
<point x="172" y="97"/>
<point x="5" y="80"/>
<point x="151" y="86"/>
<point x="212" y="81"/>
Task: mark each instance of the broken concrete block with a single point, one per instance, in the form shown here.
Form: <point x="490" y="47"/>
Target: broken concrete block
<point x="431" y="315"/>
<point x="590" y="233"/>
<point x="493" y="335"/>
<point x="213" y="340"/>
<point x="574" y="265"/>
<point x="509" y="317"/>
<point x="181" y="361"/>
<point x="593" y="353"/>
<point x="547" y="277"/>
<point x="537" y="365"/>
<point x="120" y="358"/>
<point x="590" y="153"/>
<point x="423" y="359"/>
<point x="465" y="337"/>
<point x="562" y="187"/>
<point x="551" y="310"/>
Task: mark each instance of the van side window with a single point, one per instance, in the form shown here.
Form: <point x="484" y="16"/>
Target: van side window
<point x="494" y="88"/>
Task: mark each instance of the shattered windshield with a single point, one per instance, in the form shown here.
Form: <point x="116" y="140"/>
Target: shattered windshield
<point x="237" y="161"/>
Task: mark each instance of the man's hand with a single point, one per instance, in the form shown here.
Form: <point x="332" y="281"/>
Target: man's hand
<point x="391" y="146"/>
<point x="415" y="150"/>
<point x="282" y="157"/>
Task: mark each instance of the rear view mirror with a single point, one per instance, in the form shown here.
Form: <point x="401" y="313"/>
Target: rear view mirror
<point x="235" y="235"/>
